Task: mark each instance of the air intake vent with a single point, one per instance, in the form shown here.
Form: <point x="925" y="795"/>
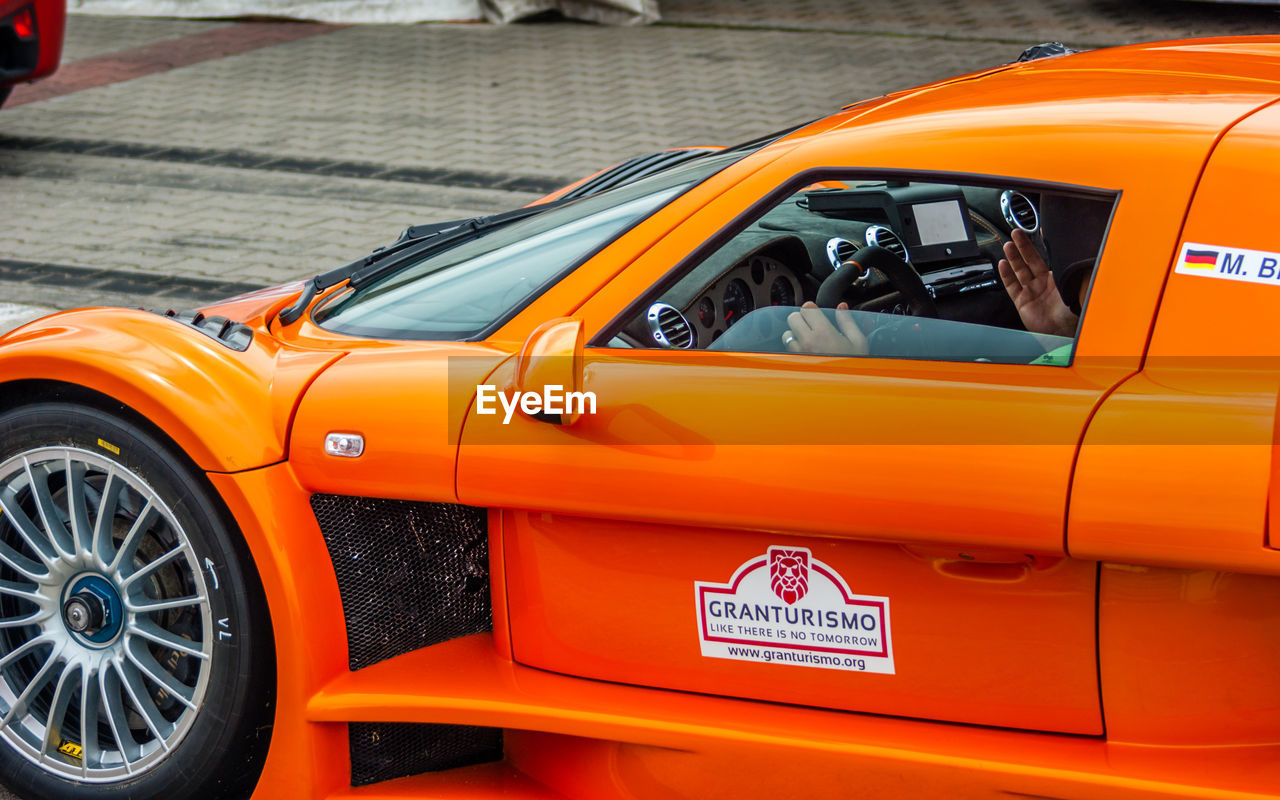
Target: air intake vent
<point x="411" y="574"/>
<point x="670" y="328"/>
<point x="881" y="236"/>
<point x="1019" y="211"/>
<point x="235" y="335"/>
<point x="381" y="751"/>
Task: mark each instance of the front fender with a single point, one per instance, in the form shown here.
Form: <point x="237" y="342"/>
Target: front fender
<point x="228" y="410"/>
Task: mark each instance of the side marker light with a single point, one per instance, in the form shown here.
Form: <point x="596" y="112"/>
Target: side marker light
<point x="344" y="445"/>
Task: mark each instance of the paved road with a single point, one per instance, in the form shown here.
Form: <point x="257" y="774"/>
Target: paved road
<point x="172" y="161"/>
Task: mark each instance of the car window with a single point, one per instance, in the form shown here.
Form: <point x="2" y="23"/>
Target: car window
<point x="467" y="290"/>
<point x="891" y="269"/>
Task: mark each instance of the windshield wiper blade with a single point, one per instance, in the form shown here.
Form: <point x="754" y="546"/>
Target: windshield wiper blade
<point x="371" y="271"/>
<point x="416" y="242"/>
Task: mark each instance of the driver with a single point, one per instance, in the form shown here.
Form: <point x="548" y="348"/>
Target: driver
<point x="1026" y="277"/>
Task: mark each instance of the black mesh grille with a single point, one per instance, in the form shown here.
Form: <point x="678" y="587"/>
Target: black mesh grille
<point x="381" y="751"/>
<point x="411" y="574"/>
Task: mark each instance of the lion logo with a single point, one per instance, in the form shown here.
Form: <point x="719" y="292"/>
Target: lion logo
<point x="789" y="573"/>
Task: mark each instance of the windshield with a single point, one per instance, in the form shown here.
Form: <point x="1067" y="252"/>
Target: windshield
<point x="465" y="291"/>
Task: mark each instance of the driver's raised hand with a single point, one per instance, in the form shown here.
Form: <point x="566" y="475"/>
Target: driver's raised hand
<point x="811" y="332"/>
<point x="1030" y="285"/>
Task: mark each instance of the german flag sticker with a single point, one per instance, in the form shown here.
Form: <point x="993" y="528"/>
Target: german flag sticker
<point x="1200" y="259"/>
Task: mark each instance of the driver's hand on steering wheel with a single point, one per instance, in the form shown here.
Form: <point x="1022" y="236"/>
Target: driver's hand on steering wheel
<point x="811" y="332"/>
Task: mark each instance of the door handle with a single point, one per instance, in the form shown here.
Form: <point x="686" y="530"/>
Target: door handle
<point x="982" y="565"/>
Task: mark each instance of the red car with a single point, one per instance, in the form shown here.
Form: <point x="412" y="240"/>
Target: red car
<point x="30" y="41"/>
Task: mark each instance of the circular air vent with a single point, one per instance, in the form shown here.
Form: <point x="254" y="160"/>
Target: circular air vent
<point x="1019" y="211"/>
<point x="669" y="326"/>
<point x="839" y="251"/>
<point x="883" y="237"/>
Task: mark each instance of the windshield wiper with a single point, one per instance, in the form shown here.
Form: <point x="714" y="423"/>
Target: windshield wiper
<point x="416" y="243"/>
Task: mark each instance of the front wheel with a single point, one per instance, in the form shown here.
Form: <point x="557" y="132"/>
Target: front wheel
<point x="135" y="648"/>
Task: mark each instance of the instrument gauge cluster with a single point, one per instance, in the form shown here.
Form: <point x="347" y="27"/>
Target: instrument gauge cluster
<point x="753" y="283"/>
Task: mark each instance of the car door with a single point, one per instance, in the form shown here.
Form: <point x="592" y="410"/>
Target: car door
<point x="675" y="537"/>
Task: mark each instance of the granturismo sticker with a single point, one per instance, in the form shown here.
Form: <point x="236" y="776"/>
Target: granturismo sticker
<point x="787" y="607"/>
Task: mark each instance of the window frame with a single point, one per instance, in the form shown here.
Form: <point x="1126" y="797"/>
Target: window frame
<point x="774" y="197"/>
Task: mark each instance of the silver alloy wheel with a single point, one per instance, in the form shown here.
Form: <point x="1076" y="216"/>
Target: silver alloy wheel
<point x="106" y="633"/>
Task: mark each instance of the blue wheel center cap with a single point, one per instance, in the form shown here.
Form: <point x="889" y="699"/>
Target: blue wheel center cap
<point x="92" y="609"/>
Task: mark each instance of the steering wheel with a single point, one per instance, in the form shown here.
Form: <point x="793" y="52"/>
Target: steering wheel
<point x="899" y="273"/>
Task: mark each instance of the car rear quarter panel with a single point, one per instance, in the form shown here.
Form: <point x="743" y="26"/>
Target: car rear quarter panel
<point x="1174" y="479"/>
<point x="1189" y="657"/>
<point x="1176" y="466"/>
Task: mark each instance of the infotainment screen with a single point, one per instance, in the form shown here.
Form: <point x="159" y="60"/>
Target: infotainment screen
<point x="940" y="223"/>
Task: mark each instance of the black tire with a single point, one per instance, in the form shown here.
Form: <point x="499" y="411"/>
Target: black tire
<point x="219" y="753"/>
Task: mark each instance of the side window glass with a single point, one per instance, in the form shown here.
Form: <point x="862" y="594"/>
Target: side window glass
<point x="892" y="269"/>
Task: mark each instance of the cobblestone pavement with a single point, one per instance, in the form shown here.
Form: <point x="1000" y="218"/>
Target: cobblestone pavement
<point x="297" y="153"/>
<point x="1082" y="23"/>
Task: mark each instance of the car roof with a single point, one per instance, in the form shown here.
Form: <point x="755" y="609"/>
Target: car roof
<point x="1163" y="100"/>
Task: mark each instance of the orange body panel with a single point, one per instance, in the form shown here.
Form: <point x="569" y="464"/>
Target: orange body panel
<point x="1176" y="467"/>
<point x="228" y="411"/>
<point x="581" y="605"/>
<point x="305" y="760"/>
<point x="1189" y="657"/>
<point x="610" y="722"/>
<point x="718" y="437"/>
<point x="1105" y="522"/>
<point x="1165" y="477"/>
<point x="411" y="426"/>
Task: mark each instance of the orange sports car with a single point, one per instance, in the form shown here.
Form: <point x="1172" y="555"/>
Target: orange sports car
<point x="923" y="450"/>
